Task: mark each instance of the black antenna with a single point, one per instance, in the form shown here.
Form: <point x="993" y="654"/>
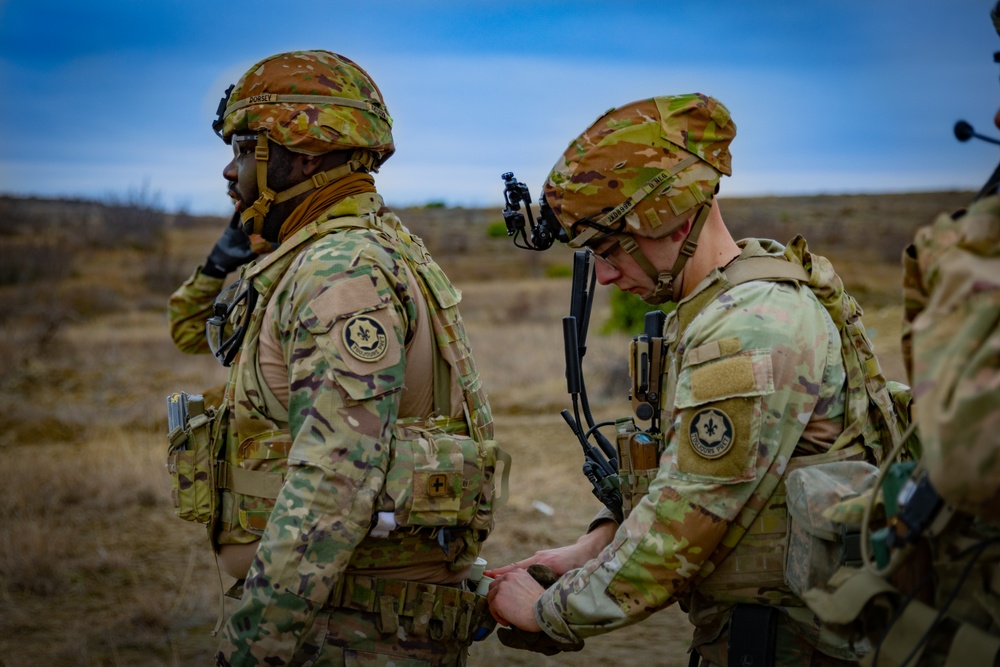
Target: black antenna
<point x="601" y="462"/>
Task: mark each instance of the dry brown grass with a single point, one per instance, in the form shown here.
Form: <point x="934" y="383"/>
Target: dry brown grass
<point x="94" y="568"/>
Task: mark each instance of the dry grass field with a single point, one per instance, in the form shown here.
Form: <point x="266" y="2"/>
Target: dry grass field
<point x="95" y="569"/>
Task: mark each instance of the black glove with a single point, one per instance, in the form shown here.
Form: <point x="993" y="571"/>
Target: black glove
<point x="538" y="642"/>
<point x="230" y="252"/>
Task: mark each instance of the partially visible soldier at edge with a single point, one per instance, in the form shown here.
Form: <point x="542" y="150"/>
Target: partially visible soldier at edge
<point x="951" y="345"/>
<point x="347" y="356"/>
<point x="934" y="598"/>
<point x="768" y="369"/>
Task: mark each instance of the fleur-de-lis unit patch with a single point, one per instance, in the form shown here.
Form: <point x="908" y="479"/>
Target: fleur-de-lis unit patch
<point x="365" y="338"/>
<point x="711" y="433"/>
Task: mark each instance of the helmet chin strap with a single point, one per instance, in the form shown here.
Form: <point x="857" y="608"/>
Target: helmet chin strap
<point x="253" y="218"/>
<point x="666" y="286"/>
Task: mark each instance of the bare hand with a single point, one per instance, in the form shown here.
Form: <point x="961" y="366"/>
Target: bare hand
<point x="563" y="559"/>
<point x="512" y="598"/>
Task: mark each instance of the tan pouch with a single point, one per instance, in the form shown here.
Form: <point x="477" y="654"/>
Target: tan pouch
<point x="638" y="462"/>
<point x="817" y="547"/>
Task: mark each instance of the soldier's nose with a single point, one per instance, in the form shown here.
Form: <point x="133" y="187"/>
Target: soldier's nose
<point x="606" y="272"/>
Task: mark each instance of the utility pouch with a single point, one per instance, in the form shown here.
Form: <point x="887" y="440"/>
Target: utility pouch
<point x="439" y="477"/>
<point x="190" y="457"/>
<point x="817" y="546"/>
<point x="638" y="462"/>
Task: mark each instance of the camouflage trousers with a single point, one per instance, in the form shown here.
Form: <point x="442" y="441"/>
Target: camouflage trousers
<point x="391" y="622"/>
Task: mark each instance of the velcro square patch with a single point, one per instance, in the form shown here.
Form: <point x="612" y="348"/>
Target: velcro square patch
<point x="726" y="377"/>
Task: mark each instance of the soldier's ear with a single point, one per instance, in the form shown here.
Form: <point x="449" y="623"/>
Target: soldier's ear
<point x="311" y="164"/>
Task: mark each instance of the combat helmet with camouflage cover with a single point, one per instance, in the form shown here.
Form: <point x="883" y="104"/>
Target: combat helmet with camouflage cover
<point x="643" y="169"/>
<point x="310" y="102"/>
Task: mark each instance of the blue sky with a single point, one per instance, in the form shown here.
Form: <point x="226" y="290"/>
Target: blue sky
<point x="107" y="97"/>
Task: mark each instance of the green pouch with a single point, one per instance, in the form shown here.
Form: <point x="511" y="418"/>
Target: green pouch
<point x="189" y="457"/>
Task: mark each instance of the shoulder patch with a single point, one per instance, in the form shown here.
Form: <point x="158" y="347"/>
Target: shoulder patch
<point x="717" y="442"/>
<point x="711" y="433"/>
<point x="365" y="338"/>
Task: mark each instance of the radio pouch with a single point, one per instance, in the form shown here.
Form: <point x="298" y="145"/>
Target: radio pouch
<point x="638" y="462"/>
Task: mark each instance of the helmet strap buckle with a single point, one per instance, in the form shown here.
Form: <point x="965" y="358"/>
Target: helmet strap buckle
<point x="689" y="247"/>
<point x="261" y="152"/>
<point x="320" y="179"/>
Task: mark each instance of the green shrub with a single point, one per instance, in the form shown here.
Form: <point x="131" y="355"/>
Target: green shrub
<point x="628" y="312"/>
<point x="558" y="271"/>
<point x="497" y="229"/>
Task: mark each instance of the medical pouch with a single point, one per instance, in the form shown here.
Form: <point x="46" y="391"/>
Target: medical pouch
<point x="817" y="546"/>
<point x="440" y="478"/>
<point x="190" y="456"/>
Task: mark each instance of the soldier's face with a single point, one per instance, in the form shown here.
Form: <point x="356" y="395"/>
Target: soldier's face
<point x="241" y="172"/>
<point x="283" y="170"/>
<point x="616" y="267"/>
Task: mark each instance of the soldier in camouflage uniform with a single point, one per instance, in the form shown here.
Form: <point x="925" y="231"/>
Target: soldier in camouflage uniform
<point x="934" y="598"/>
<point x="952" y="350"/>
<point x="767" y="369"/>
<point x="354" y="424"/>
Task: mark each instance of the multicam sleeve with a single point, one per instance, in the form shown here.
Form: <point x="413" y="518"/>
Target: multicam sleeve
<point x="656" y="551"/>
<point x="188" y="309"/>
<point x="751" y="357"/>
<point x="345" y="357"/>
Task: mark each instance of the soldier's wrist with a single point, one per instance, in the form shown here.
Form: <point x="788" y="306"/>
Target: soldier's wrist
<point x="598" y="536"/>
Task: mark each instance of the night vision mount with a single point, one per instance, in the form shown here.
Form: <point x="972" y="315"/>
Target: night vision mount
<point x="220" y="113"/>
<point x="534" y="235"/>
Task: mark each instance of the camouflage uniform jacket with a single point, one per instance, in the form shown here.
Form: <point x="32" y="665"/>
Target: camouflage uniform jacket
<point x="335" y="285"/>
<point x="951" y="343"/>
<point x="748" y="371"/>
